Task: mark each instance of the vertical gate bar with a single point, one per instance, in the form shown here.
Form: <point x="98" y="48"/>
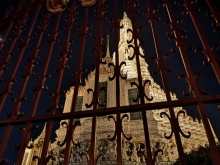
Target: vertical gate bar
<point x="49" y="129"/>
<point x="24" y="142"/>
<point x="209" y="51"/>
<point x="17" y="104"/>
<point x="57" y="92"/>
<point x="119" y="139"/>
<point x="44" y="75"/>
<point x="141" y="92"/>
<point x="7" y="12"/>
<point x="14" y="40"/>
<point x="5" y="141"/>
<point x="8" y="29"/>
<point x="96" y="87"/>
<point x="30" y="66"/>
<point x="213" y="146"/>
<point x="165" y="83"/>
<point x="68" y="142"/>
<point x="93" y="140"/>
<point x="19" y="6"/>
<point x="80" y="61"/>
<point x="117" y="70"/>
<point x="147" y="137"/>
<point x="140" y="86"/>
<point x="40" y="84"/>
<point x="12" y="43"/>
<point x="77" y="84"/>
<point x="215" y="13"/>
<point x="25" y="42"/>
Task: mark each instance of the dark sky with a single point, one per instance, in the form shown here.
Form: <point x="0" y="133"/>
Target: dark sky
<point x="207" y="81"/>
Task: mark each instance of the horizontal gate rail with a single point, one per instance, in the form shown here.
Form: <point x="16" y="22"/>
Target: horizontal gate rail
<point x="123" y="109"/>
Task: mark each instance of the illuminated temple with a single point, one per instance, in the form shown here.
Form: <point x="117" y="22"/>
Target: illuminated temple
<point x="133" y="126"/>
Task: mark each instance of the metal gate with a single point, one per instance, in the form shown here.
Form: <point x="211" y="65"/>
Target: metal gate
<point x="57" y="49"/>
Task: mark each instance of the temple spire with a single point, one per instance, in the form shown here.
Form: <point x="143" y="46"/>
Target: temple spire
<point x="107" y="57"/>
<point x="125" y="15"/>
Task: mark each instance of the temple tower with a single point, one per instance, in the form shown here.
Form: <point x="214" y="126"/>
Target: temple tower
<point x="134" y="125"/>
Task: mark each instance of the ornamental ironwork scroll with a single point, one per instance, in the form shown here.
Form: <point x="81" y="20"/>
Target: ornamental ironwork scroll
<point x="55" y="6"/>
<point x="118" y="129"/>
<point x="77" y="123"/>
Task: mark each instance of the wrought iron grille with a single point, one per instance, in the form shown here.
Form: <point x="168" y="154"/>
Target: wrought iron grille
<point x="57" y="48"/>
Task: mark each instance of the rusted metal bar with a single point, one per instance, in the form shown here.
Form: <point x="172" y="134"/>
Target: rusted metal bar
<point x="113" y="110"/>
<point x="215" y="13"/>
<point x="117" y="73"/>
<point x="96" y="86"/>
<point x="68" y="142"/>
<point x="16" y="107"/>
<point x="55" y="99"/>
<point x="162" y="67"/>
<point x="11" y="79"/>
<point x="140" y="85"/>
<point x="93" y="140"/>
<point x="77" y="84"/>
<point x="192" y="83"/>
<point x="44" y="153"/>
<point x="42" y="78"/>
<point x="5" y="141"/>
<point x="38" y="90"/>
<point x="7" y="12"/>
<point x="24" y="142"/>
<point x="8" y="29"/>
<point x="209" y="53"/>
<point x="20" y="5"/>
<point x="119" y="138"/>
<point x="20" y="12"/>
<point x="117" y="69"/>
<point x="32" y="61"/>
<point x="80" y="60"/>
<point x="11" y="22"/>
<point x="9" y="53"/>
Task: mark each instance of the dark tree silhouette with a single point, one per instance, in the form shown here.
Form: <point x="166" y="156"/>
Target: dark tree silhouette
<point x="198" y="157"/>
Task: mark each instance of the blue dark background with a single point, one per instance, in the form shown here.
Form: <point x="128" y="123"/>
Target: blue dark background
<point x="207" y="81"/>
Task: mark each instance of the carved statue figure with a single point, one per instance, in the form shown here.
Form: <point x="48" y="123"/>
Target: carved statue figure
<point x="153" y="144"/>
<point x="134" y="156"/>
<point x="102" y="147"/>
<point x="87" y="146"/>
<point x="112" y="149"/>
<point x="124" y="151"/>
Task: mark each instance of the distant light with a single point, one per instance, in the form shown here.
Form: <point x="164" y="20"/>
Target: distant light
<point x="0" y="38"/>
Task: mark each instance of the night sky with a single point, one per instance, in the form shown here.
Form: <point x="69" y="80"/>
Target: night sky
<point x="207" y="81"/>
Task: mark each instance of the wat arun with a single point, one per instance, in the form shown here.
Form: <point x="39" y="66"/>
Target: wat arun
<point x="133" y="126"/>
